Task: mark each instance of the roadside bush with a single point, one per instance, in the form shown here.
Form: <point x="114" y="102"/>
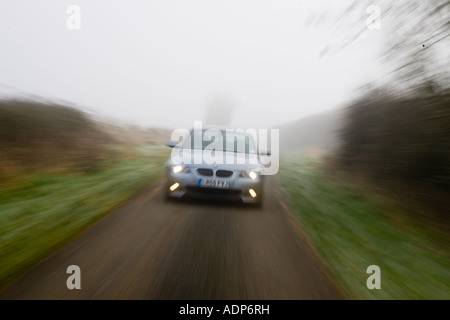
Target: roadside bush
<point x="400" y="141"/>
<point x="38" y="134"/>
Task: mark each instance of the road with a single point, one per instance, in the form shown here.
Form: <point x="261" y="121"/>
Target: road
<point x="153" y="249"/>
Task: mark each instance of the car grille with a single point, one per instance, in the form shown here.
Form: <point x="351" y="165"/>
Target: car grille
<point x="205" y="172"/>
<point x="224" y="173"/>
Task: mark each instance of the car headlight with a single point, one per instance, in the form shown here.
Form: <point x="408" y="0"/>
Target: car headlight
<point x="253" y="174"/>
<point x="180" y="169"/>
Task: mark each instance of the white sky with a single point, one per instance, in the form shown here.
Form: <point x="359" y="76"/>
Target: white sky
<point x="155" y="63"/>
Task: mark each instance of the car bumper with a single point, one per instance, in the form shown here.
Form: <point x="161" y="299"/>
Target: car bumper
<point x="186" y="185"/>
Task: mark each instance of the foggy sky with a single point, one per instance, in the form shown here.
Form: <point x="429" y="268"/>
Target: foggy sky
<point x="156" y="63"/>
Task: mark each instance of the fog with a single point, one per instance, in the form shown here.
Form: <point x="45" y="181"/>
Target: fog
<point x="358" y="92"/>
<point x="159" y="63"/>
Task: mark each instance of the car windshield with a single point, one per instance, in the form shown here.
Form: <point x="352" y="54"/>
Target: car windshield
<point x="220" y="140"/>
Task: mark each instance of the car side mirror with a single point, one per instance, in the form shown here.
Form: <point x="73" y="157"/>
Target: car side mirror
<point x="172" y="144"/>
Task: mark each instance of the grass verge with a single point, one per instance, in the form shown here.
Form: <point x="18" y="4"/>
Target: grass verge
<point x="44" y="211"/>
<point x="352" y="230"/>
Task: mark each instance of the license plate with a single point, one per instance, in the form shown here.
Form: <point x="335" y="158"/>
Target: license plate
<point x="213" y="183"/>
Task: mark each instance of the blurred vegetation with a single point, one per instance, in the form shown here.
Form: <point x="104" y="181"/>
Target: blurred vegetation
<point x="415" y="37"/>
<point x="396" y="135"/>
<point x="60" y="171"/>
<point x="401" y="146"/>
<point x="41" y="134"/>
<point x="40" y="213"/>
<point x="351" y="228"/>
<point x="382" y="196"/>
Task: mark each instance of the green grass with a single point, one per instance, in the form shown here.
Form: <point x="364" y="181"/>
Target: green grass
<point x="351" y="231"/>
<point x="42" y="212"/>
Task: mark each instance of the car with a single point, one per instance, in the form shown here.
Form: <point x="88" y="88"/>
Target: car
<point x="218" y="164"/>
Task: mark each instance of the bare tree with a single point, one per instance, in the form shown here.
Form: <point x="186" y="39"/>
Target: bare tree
<point x="415" y="48"/>
<point x="219" y="109"/>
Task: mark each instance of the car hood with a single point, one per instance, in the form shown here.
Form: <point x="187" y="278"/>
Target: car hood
<point x="214" y="160"/>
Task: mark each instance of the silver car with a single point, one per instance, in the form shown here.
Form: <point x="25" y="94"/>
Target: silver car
<point x="215" y="164"/>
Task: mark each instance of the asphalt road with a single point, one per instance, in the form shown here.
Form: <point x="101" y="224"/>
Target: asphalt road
<point x="154" y="249"/>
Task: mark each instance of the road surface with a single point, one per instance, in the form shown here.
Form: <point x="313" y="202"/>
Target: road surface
<point x="154" y="249"/>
